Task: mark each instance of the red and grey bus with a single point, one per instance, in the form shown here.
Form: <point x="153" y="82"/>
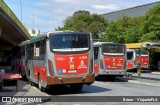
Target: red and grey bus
<point x="133" y="59"/>
<point x="144" y="59"/>
<point x="19" y="58"/>
<point x="110" y="59"/>
<point x="61" y="58"/>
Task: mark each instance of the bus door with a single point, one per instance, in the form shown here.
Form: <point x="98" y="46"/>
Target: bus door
<point x="130" y="59"/>
<point x="96" y="60"/>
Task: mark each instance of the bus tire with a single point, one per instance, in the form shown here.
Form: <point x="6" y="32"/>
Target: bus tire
<point x="40" y="84"/>
<point x="1" y="86"/>
<point x="31" y="83"/>
<point x="76" y="86"/>
<point x="111" y="78"/>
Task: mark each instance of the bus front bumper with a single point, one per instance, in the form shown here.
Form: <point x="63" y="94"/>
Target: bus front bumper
<point x="56" y="80"/>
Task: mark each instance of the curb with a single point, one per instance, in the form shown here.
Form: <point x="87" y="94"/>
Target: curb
<point x="143" y="83"/>
<point x="157" y="73"/>
<point x="139" y="82"/>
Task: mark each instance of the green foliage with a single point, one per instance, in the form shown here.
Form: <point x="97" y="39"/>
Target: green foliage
<point x="152" y="25"/>
<point x="85" y="22"/>
<point x="123" y="30"/>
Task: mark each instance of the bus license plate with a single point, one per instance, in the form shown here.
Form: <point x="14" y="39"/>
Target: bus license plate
<point x="71" y="71"/>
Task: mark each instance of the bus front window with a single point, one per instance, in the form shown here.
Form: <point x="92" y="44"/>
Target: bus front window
<point x="70" y="43"/>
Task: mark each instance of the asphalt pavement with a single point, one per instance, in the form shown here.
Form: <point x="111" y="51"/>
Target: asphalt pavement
<point x="146" y="78"/>
<point x="147" y="85"/>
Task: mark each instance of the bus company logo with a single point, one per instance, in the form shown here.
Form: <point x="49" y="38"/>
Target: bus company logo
<point x="59" y="71"/>
<point x="71" y="66"/>
<point x="71" y="59"/>
<point x="60" y="59"/>
<point x="83" y="57"/>
<point x="113" y="60"/>
<point x="64" y="71"/>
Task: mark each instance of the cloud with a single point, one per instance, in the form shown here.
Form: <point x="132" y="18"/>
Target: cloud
<point x="69" y="1"/>
<point x="107" y="6"/>
<point x="43" y="4"/>
<point x="49" y="14"/>
<point x="52" y="23"/>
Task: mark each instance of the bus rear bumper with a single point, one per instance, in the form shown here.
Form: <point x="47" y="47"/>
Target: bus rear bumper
<point x="57" y="80"/>
<point x="114" y="72"/>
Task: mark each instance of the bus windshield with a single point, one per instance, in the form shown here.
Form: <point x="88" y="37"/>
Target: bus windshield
<point x="143" y="53"/>
<point x="113" y="49"/>
<point x="70" y="43"/>
<point x="129" y="55"/>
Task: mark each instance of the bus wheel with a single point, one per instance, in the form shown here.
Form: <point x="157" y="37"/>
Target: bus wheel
<point x="76" y="86"/>
<point x="111" y="78"/>
<point x="1" y="86"/>
<point x="30" y="82"/>
<point x="40" y="84"/>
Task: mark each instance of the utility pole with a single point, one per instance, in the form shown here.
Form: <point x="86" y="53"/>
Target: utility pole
<point x="33" y="21"/>
<point x="21" y="10"/>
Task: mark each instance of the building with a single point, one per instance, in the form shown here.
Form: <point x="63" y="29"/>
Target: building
<point x="33" y="32"/>
<point x="130" y="12"/>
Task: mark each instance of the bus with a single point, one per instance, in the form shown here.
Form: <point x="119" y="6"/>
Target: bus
<point x="19" y="58"/>
<point x="110" y="59"/>
<point x="133" y="59"/>
<point x="144" y="59"/>
<point x="58" y="58"/>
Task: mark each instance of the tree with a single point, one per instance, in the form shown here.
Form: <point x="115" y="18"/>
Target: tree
<point x="84" y="21"/>
<point x="124" y="30"/>
<point x="97" y="28"/>
<point x="152" y="25"/>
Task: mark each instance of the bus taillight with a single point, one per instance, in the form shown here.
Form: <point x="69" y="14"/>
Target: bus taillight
<point x="101" y="64"/>
<point x="50" y="66"/>
<point x="91" y="66"/>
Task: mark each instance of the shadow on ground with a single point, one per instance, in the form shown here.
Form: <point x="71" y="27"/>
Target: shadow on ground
<point x="64" y="90"/>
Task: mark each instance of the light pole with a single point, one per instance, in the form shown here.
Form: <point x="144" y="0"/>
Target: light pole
<point x="21" y="10"/>
<point x="33" y="21"/>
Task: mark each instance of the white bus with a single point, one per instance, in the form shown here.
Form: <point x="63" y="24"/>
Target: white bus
<point x="133" y="59"/>
<point x="61" y="58"/>
<point x="110" y="59"/>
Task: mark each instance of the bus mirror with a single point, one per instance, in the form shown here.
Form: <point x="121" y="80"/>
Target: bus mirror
<point x="47" y="38"/>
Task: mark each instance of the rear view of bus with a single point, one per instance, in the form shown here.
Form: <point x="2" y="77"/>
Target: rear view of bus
<point x="70" y="59"/>
<point x="111" y="59"/>
<point x="144" y="59"/>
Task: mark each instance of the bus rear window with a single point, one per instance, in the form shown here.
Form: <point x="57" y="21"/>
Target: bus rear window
<point x="113" y="49"/>
<point x="70" y="43"/>
<point x="142" y="53"/>
<point x="129" y="55"/>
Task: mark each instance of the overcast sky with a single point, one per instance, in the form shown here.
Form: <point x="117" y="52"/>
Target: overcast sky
<point x="49" y="14"/>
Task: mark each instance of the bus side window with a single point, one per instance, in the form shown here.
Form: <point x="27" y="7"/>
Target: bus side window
<point x="36" y="50"/>
<point x="42" y="49"/>
<point x="96" y="50"/>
